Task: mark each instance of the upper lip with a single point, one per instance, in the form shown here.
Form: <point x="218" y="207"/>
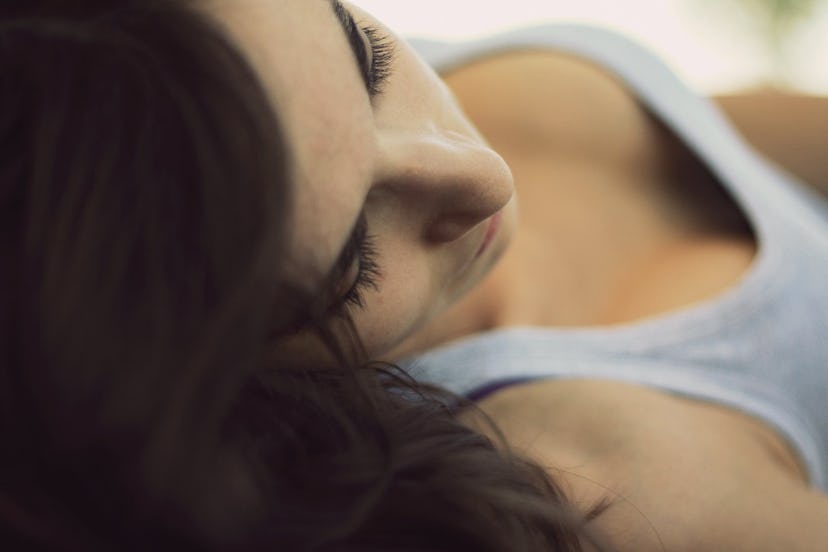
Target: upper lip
<point x="488" y="234"/>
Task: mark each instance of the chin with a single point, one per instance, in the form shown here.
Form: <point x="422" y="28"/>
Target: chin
<point x="438" y="323"/>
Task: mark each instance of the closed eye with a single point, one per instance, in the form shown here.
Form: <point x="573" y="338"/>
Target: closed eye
<point x="382" y="56"/>
<point x="373" y="49"/>
<point x="358" y="270"/>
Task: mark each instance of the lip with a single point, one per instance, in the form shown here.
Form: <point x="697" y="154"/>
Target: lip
<point x="491" y="232"/>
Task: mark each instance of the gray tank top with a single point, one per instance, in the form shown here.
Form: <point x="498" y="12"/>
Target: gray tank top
<point x="760" y="347"/>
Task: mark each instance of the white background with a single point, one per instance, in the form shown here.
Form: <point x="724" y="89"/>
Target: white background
<point x="713" y="45"/>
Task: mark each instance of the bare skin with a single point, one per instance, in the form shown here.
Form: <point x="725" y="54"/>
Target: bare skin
<point x="680" y="475"/>
<point x="623" y="199"/>
<point x="612" y="205"/>
<point x="789" y="128"/>
<point x="620" y="216"/>
<point x="405" y="160"/>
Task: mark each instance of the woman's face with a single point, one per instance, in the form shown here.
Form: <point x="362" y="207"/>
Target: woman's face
<point x="380" y="150"/>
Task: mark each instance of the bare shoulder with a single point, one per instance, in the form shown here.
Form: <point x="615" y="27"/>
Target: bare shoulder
<point x="680" y="474"/>
<point x="788" y="127"/>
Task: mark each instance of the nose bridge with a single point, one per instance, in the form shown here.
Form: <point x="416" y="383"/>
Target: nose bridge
<point x="451" y="179"/>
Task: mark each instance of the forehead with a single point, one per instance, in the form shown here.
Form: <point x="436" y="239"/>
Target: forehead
<point x="303" y="59"/>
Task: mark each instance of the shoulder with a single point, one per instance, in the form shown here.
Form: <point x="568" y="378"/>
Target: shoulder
<point x="679" y="474"/>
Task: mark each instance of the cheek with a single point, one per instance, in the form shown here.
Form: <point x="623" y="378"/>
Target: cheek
<point x="404" y="301"/>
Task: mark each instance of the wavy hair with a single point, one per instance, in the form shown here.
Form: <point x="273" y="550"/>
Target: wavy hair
<point x="144" y="404"/>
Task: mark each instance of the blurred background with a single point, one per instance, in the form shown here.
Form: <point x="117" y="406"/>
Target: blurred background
<point x="717" y="46"/>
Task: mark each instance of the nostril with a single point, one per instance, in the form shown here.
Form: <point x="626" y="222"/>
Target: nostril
<point x="451" y="180"/>
<point x="451" y="228"/>
<point x="463" y="138"/>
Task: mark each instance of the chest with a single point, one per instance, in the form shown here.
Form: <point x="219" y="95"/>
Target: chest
<point x="619" y="219"/>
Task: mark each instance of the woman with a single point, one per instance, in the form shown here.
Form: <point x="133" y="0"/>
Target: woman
<point x="215" y="212"/>
<point x="665" y="342"/>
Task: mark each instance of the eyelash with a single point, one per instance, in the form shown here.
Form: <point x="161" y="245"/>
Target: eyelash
<point x="367" y="275"/>
<point x="382" y="55"/>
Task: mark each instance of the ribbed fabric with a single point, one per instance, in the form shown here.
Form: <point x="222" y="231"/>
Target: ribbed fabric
<point x="760" y="347"/>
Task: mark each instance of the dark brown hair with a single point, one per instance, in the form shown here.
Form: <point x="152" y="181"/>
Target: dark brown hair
<point x="144" y="186"/>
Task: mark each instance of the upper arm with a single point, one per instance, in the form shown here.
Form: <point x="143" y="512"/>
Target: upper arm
<point x="790" y="129"/>
<point x="679" y="474"/>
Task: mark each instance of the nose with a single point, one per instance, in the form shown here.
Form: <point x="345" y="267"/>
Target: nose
<point x="451" y="180"/>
